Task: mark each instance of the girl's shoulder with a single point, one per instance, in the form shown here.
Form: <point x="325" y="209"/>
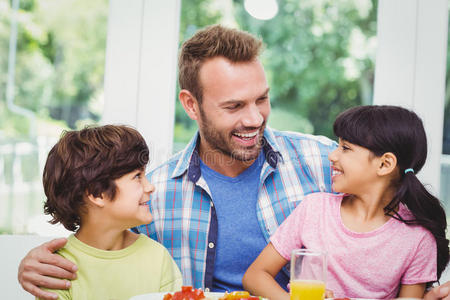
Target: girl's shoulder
<point x="323" y="197"/>
<point x="420" y="233"/>
<point x="321" y="201"/>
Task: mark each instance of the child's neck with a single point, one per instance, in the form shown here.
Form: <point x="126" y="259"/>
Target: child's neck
<point x="106" y="238"/>
<point x="363" y="213"/>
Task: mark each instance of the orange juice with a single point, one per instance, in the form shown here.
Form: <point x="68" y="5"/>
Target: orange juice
<point x="307" y="289"/>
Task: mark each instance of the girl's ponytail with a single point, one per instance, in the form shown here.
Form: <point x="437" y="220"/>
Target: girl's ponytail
<point x="427" y="211"/>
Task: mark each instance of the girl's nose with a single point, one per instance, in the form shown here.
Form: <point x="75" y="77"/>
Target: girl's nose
<point x="332" y="155"/>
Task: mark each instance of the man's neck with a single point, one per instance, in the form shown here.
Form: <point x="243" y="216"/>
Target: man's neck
<point x="224" y="164"/>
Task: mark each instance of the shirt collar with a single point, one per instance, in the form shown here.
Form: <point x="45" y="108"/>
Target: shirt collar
<point x="190" y="159"/>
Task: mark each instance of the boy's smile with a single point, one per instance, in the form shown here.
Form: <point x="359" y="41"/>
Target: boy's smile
<point x="130" y="207"/>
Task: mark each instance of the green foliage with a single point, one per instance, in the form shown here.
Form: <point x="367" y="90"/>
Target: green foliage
<point x="60" y="60"/>
<point x="196" y="14"/>
<point x="284" y="120"/>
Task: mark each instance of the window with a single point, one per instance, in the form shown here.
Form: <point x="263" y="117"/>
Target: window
<point x="445" y="161"/>
<point x="52" y="60"/>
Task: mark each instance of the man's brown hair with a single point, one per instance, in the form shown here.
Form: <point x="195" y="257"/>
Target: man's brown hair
<point x="216" y="40"/>
<point x="87" y="162"/>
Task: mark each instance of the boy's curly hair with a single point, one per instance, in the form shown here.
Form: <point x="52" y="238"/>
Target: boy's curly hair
<point x="87" y="162"/>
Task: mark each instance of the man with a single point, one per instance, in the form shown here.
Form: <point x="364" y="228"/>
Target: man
<point x="218" y="201"/>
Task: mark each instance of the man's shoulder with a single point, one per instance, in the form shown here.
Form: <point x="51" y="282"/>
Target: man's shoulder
<point x="168" y="166"/>
<point x="295" y="139"/>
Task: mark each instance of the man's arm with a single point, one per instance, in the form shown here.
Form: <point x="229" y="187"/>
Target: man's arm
<point x="439" y="292"/>
<point x="41" y="267"/>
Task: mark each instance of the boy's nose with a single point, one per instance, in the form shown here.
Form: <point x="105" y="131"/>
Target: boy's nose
<point x="148" y="187"/>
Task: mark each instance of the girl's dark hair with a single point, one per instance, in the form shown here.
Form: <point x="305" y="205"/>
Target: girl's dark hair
<point x="394" y="129"/>
<point x="87" y="162"/>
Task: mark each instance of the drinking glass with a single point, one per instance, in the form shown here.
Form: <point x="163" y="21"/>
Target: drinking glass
<point x="308" y="274"/>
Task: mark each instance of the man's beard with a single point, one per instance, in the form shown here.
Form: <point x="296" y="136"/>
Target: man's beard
<point x="222" y="142"/>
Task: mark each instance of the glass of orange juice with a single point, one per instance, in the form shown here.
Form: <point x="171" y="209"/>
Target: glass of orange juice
<point x="308" y="274"/>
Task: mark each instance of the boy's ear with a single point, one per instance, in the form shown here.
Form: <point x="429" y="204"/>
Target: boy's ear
<point x="387" y="164"/>
<point x="190" y="104"/>
<point x="96" y="201"/>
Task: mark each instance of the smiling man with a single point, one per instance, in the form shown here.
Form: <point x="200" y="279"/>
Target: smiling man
<point x="217" y="202"/>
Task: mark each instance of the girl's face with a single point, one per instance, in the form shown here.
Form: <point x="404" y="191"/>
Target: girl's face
<point x="130" y="206"/>
<point x="354" y="168"/>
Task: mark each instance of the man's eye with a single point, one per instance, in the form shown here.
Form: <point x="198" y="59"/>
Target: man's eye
<point x="233" y="107"/>
<point x="262" y="99"/>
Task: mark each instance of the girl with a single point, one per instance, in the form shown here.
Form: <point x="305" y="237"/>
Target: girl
<point x="385" y="233"/>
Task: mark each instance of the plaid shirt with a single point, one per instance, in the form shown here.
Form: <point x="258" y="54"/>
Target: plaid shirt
<point x="184" y="217"/>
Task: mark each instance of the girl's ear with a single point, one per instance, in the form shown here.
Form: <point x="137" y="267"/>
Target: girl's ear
<point x="190" y="104"/>
<point x="388" y="164"/>
<point x="96" y="201"/>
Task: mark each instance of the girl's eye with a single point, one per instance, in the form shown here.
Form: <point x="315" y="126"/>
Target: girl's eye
<point x="345" y="148"/>
<point x="138" y="175"/>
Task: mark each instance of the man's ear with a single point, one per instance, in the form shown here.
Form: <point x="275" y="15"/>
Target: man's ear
<point x="387" y="164"/>
<point x="96" y="201"/>
<point x="190" y="104"/>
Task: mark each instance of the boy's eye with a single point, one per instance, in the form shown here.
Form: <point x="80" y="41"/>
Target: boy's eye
<point x="138" y="175"/>
<point x="344" y="147"/>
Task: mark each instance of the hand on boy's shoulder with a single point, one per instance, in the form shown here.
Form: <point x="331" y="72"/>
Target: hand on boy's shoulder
<point x="62" y="294"/>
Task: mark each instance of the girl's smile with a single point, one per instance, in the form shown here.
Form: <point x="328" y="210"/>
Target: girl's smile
<point x="354" y="168"/>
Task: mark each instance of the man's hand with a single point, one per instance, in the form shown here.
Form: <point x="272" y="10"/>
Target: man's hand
<point x="42" y="268"/>
<point x="439" y="292"/>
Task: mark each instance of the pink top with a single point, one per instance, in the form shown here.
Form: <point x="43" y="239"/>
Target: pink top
<point x="360" y="265"/>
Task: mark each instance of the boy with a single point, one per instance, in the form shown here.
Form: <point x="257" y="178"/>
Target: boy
<point x="95" y="184"/>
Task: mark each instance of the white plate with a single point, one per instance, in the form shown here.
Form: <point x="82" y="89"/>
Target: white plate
<point x="160" y="296"/>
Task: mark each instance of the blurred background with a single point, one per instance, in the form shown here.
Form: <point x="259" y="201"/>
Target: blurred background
<point x="319" y="60"/>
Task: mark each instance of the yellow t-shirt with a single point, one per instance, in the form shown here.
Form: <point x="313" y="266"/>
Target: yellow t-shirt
<point x="143" y="267"/>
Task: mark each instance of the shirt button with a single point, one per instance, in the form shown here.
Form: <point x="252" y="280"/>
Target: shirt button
<point x="211" y="245"/>
<point x="207" y="290"/>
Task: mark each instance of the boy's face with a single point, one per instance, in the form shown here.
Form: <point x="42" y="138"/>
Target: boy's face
<point x="130" y="207"/>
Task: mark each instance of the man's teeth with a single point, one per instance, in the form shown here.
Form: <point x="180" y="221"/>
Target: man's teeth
<point x="247" y="135"/>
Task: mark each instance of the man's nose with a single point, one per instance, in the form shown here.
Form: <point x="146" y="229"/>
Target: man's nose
<point x="253" y="117"/>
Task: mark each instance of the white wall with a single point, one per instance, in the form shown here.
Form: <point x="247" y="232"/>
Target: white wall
<point x="411" y="65"/>
<point x="140" y="71"/>
<point x="14" y="248"/>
